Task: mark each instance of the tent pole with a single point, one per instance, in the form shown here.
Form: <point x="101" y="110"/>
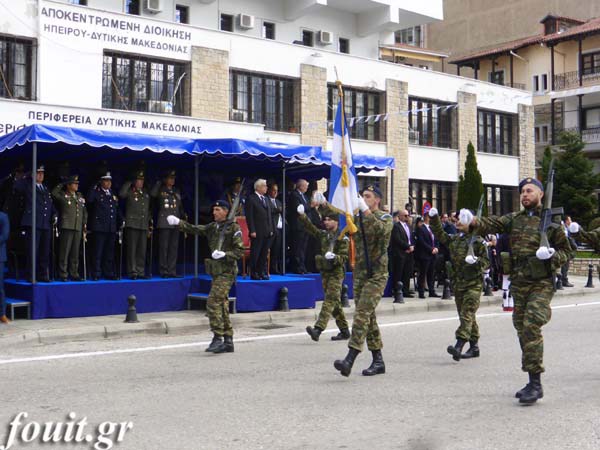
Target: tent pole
<point x="283" y="215"/>
<point x="391" y="191"/>
<point x="33" y="212"/>
<point x="196" y="208"/>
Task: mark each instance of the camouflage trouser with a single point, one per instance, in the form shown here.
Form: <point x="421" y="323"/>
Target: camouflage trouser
<point x="367" y="293"/>
<point x="532" y="311"/>
<point x="332" y="304"/>
<point x="217" y="305"/>
<point x="467" y="304"/>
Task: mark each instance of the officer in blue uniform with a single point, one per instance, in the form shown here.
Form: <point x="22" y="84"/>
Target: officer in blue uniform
<point x="103" y="222"/>
<point x="44" y="216"/>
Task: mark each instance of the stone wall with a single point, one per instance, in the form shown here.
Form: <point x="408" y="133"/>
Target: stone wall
<point x="210" y="83"/>
<point x="579" y="266"/>
<point x="467" y="126"/>
<point x="397" y="139"/>
<point x="526" y="142"/>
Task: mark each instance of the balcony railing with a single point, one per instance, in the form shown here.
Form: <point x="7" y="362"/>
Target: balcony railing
<point x="514" y="85"/>
<point x="431" y="139"/>
<point x="570" y="80"/>
<point x="588" y="135"/>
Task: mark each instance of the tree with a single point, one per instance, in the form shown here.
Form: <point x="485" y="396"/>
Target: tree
<point x="470" y="186"/>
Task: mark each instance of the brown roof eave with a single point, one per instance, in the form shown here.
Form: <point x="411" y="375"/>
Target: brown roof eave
<point x="572" y="37"/>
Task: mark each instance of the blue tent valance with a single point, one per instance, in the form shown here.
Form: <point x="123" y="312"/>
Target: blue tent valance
<point x="364" y="163"/>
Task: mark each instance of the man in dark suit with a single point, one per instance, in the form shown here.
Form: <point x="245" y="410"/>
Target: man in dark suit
<point x="426" y="250"/>
<point x="298" y="235"/>
<point x="260" y="226"/>
<point x="277" y="213"/>
<point x="104" y="221"/>
<point x="4" y="232"/>
<point x="44" y="216"/>
<point x="402" y="248"/>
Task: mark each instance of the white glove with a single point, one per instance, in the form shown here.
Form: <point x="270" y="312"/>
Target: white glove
<point x="329" y="255"/>
<point x="218" y="254"/>
<point x="471" y="259"/>
<point x="300" y="209"/>
<point x="574" y="228"/>
<point x="318" y="198"/>
<point x="172" y="220"/>
<point x="362" y="204"/>
<point x="545" y="253"/>
<point x="433" y="212"/>
<point x="465" y="216"/>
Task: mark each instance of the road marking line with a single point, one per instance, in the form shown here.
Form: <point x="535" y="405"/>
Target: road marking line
<point x="251" y="339"/>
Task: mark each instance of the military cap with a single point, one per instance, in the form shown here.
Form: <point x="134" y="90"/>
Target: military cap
<point x="331" y="215"/>
<point x="170" y="173"/>
<point x="72" y="179"/>
<point x="139" y="175"/>
<point x="41" y="168"/>
<point x="106" y="176"/>
<point x="374" y="189"/>
<point x="236" y="180"/>
<point x="221" y="204"/>
<point x="530" y="180"/>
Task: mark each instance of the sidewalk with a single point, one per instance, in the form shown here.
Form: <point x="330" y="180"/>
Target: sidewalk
<point x="47" y="331"/>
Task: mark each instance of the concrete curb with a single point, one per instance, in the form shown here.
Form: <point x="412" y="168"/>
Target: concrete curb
<point x="195" y="324"/>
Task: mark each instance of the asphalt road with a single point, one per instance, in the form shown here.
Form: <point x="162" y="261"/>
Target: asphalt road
<point x="279" y="390"/>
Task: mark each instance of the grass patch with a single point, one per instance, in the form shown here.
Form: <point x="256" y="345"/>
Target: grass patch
<point x="587" y="254"/>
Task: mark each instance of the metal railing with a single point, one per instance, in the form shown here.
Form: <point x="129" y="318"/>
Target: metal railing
<point x="570" y="80"/>
<point x="588" y="135"/>
<point x="433" y="138"/>
<point x="514" y="85"/>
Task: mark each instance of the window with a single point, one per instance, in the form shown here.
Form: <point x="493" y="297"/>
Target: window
<point x="591" y="118"/>
<point x="267" y="99"/>
<point x="268" y="30"/>
<point x="439" y="194"/>
<point x="137" y="83"/>
<point x="344" y="45"/>
<point x="501" y="199"/>
<point x="536" y="83"/>
<point x="410" y="36"/>
<point x="359" y="103"/>
<point x="545" y="133"/>
<point x="132" y="7"/>
<point x="540" y="83"/>
<point x="497" y="133"/>
<point x="226" y="22"/>
<point x="550" y="27"/>
<point x="182" y="14"/>
<point x="308" y="38"/>
<point x="17" y="75"/>
<point x="544" y="82"/>
<point x="78" y="2"/>
<point x="496" y="77"/>
<point x="432" y="125"/>
<point x="591" y="63"/>
<point x="537" y="134"/>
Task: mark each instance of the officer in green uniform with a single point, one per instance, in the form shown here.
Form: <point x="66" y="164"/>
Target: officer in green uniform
<point x="225" y="242"/>
<point x="72" y="225"/>
<point x="369" y="282"/>
<point x="331" y="264"/>
<point x="589" y="237"/>
<point x="532" y="269"/>
<point x="467" y="280"/>
<point x="169" y="203"/>
<point x="137" y="224"/>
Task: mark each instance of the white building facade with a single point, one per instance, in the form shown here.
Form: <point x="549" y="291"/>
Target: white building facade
<point x="264" y="70"/>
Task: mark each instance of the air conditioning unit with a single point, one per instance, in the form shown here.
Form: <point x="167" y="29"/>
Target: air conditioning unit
<point x="326" y="37"/>
<point x="246" y="21"/>
<point x="158" y="106"/>
<point x="238" y="116"/>
<point x="153" y="6"/>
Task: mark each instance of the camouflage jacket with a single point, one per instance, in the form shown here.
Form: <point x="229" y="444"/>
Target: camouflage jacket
<point x="330" y="242"/>
<point x="232" y="244"/>
<point x="524" y="234"/>
<point x="463" y="275"/>
<point x="589" y="237"/>
<point x="378" y="229"/>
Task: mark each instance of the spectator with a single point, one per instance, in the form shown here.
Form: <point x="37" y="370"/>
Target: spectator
<point x="298" y="235"/>
<point x="260" y="226"/>
<point x="426" y="250"/>
<point x="402" y="251"/>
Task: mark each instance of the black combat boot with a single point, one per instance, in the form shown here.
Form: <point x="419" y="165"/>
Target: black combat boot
<point x="314" y="333"/>
<point x="343" y="335"/>
<point x="217" y="345"/>
<point x="377" y="366"/>
<point x="456" y="350"/>
<point x="473" y="351"/>
<point x="533" y="391"/>
<point x="345" y="365"/>
<point x="228" y="344"/>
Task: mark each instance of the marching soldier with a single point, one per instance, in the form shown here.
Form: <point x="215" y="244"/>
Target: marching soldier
<point x="467" y="279"/>
<point x="44" y="216"/>
<point x="72" y="225"/>
<point x="332" y="265"/>
<point x="370" y="279"/>
<point x="105" y="217"/>
<point x="589" y="237"/>
<point x="169" y="203"/>
<point x="225" y="242"/>
<point x="137" y="224"/>
<point x="532" y="269"/>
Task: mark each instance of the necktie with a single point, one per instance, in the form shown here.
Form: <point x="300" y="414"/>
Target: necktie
<point x="262" y="199"/>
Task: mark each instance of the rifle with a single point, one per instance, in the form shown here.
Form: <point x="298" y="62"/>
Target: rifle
<point x="364" y="239"/>
<point x="548" y="212"/>
<point x="230" y="217"/>
<point x="471" y="251"/>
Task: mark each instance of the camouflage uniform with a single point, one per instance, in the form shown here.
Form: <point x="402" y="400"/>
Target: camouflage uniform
<point x="332" y="273"/>
<point x="531" y="278"/>
<point x="467" y="279"/>
<point x="368" y="290"/>
<point x="589" y="237"/>
<point x="223" y="271"/>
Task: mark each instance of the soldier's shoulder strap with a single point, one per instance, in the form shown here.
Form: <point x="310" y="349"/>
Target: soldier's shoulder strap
<point x="383" y="216"/>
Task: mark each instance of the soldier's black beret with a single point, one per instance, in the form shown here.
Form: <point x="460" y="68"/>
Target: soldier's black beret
<point x="221" y="204"/>
<point x="530" y="180"/>
<point x="374" y="189"/>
